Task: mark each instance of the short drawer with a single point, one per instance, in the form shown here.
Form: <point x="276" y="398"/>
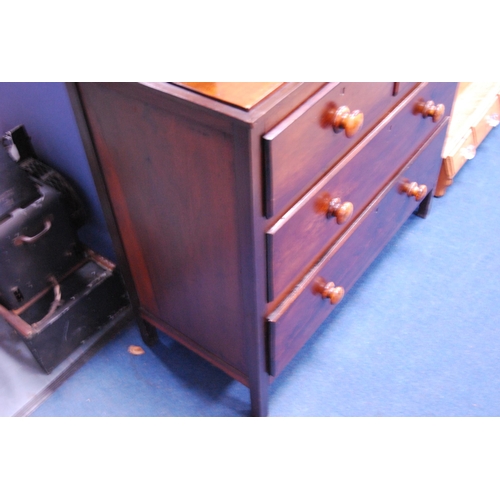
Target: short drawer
<point x="487" y="122"/>
<point x="300" y="149"/>
<point x="313" y="224"/>
<point x="464" y="150"/>
<point x="300" y="314"/>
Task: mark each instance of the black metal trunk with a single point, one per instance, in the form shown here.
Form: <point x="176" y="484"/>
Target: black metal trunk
<point x="38" y="244"/>
<point x="91" y="296"/>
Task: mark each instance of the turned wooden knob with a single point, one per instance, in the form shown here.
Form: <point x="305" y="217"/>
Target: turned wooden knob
<point x="414" y="189"/>
<point x="332" y="292"/>
<point x="343" y="119"/>
<point x="430" y="109"/>
<point x="341" y="211"/>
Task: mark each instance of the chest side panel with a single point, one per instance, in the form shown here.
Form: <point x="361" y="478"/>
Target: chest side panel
<point x="171" y="181"/>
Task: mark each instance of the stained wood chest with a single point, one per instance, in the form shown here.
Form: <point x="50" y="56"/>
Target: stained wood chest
<point x="243" y="213"/>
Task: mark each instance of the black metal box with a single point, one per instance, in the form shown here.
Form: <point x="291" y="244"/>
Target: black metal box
<point x="55" y="324"/>
<point x="38" y="245"/>
<point x="16" y="187"/>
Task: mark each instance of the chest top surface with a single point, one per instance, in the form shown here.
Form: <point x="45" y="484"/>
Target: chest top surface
<point x="243" y="95"/>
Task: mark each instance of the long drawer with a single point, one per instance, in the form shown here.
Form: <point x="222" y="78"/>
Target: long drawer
<point x="300" y="149"/>
<point x="311" y="226"/>
<point x="300" y="314"/>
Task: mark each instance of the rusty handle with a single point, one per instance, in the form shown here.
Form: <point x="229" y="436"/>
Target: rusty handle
<point x="19" y="240"/>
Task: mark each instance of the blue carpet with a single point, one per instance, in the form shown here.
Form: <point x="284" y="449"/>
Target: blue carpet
<point x="419" y="334"/>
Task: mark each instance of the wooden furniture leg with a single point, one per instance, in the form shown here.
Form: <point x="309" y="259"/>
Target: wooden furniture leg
<point x="443" y="182"/>
<point x="424" y="207"/>
<point x="149" y="334"/>
<point x="259" y="396"/>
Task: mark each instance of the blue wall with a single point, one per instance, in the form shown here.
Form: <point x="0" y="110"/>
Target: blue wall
<point x="45" y="110"/>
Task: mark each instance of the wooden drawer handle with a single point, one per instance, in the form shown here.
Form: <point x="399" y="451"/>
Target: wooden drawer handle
<point x="430" y="109"/>
<point x="343" y="119"/>
<point x="341" y="211"/>
<point x="329" y="290"/>
<point x="413" y="189"/>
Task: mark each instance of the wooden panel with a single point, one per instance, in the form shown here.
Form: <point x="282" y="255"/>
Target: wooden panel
<point x="305" y="232"/>
<point x="187" y="342"/>
<point x="304" y="310"/>
<point x="171" y="182"/>
<point x="303" y="147"/>
<point x="241" y="94"/>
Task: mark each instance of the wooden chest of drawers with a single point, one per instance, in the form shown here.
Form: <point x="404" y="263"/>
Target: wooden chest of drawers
<point x="241" y="219"/>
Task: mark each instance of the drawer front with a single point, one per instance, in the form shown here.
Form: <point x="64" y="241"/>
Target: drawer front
<point x="490" y="120"/>
<point x="465" y="150"/>
<point x="298" y="317"/>
<point x="307" y="230"/>
<point x="299" y="150"/>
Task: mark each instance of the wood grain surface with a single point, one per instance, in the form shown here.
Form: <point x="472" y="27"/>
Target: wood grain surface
<point x="241" y="94"/>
